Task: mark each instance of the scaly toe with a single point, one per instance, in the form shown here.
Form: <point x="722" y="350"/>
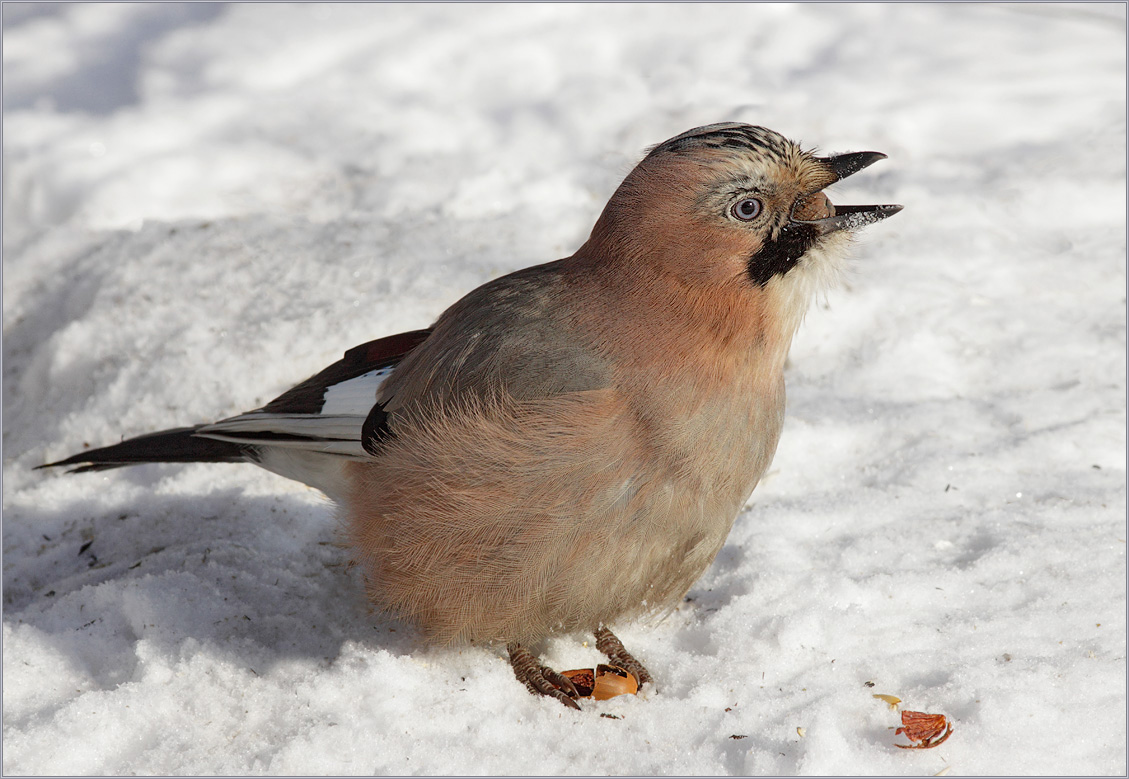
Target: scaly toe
<point x="612" y="647"/>
<point x="540" y="679"/>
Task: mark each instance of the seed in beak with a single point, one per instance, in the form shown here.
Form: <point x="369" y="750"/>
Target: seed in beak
<point x="812" y="207"/>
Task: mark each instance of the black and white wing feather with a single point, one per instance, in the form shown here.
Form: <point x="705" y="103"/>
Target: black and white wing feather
<point x="303" y="434"/>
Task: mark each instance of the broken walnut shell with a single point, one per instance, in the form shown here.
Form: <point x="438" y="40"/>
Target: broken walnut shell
<point x="606" y="681"/>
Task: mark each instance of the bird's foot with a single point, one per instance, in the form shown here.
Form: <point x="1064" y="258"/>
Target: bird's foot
<point x="612" y="647"/>
<point x="540" y="679"/>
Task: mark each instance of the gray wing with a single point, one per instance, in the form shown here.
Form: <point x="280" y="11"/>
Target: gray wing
<point x="515" y="335"/>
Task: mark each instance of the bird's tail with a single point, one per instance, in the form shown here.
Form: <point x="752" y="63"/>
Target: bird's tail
<point x="168" y="446"/>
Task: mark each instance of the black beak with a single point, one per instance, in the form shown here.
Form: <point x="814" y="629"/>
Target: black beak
<point x="851" y="217"/>
<point x="843" y="165"/>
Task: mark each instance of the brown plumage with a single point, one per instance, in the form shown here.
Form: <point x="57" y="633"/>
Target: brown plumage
<point x="569" y="445"/>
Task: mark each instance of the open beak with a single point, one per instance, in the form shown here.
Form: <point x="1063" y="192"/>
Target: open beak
<point x="843" y="217"/>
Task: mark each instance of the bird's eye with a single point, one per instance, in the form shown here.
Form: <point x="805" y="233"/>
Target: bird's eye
<point x="747" y="209"/>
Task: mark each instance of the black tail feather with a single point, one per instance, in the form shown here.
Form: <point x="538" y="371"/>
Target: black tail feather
<point x="167" y="446"/>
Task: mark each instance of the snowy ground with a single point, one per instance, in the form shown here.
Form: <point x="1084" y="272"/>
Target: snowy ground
<point x="204" y="205"/>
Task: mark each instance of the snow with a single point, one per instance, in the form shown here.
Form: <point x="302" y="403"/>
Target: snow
<point x="205" y="204"/>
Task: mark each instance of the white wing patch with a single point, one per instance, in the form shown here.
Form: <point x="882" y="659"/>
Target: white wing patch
<point x="355" y="396"/>
<point x="335" y="430"/>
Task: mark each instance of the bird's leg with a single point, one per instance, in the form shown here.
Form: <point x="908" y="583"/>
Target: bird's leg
<point x="540" y="679"/>
<point x="611" y="646"/>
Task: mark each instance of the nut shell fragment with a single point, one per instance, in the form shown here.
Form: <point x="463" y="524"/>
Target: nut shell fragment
<point x="606" y="681"/>
<point x="926" y="730"/>
<point x="583" y="679"/>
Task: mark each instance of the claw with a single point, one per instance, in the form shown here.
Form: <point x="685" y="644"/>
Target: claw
<point x="612" y="647"/>
<point x="541" y="679"/>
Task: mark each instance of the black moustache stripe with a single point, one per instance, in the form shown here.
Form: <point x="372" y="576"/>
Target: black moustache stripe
<point x="781" y="254"/>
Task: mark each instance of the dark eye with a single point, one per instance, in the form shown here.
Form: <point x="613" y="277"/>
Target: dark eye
<point x="747" y="209"/>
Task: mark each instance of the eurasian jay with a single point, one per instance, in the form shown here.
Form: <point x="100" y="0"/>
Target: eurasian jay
<point x="568" y="446"/>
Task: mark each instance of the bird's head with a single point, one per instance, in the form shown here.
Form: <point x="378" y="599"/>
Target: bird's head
<point x="736" y="207"/>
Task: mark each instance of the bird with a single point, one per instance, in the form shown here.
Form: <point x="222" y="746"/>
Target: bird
<point x="568" y="446"/>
